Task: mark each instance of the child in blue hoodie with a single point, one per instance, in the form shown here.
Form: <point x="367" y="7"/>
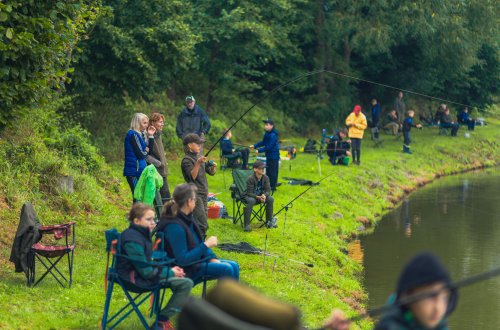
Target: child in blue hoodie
<point x="270" y="146"/>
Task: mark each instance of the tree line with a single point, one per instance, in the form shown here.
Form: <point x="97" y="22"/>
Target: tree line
<point x="109" y="58"/>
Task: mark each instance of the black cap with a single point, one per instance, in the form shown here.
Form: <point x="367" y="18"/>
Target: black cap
<point x="258" y="164"/>
<point x="192" y="138"/>
<point x="269" y="121"/>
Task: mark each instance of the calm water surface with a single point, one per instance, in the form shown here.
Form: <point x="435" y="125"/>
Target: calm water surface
<point x="457" y="218"/>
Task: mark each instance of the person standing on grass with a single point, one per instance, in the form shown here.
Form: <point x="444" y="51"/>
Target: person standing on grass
<point x="194" y="168"/>
<point x="157" y="153"/>
<point x="136" y="149"/>
<point x="270" y="146"/>
<point x="136" y="245"/>
<point x="376" y="112"/>
<point x="399" y="106"/>
<point x="407" y="125"/>
<point x="356" y="121"/>
<point x="192" y="119"/>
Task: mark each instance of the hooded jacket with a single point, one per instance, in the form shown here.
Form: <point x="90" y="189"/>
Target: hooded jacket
<point x="269" y="145"/>
<point x="149" y="182"/>
<point x="26" y="235"/>
<point x="357" y="125"/>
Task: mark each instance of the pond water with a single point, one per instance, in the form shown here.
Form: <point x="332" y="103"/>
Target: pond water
<point x="457" y="218"/>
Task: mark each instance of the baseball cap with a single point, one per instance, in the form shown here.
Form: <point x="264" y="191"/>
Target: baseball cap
<point x="190" y="98"/>
<point x="258" y="164"/>
<point x="269" y="121"/>
<point x="192" y="138"/>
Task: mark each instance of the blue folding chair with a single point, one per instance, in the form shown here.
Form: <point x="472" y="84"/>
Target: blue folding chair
<point x="135" y="295"/>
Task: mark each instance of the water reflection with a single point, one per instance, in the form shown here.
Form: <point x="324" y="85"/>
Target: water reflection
<point x="458" y="219"/>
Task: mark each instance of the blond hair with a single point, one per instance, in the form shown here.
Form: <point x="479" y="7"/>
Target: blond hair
<point x="135" y="124"/>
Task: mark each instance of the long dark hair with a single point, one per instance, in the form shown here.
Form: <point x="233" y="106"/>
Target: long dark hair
<point x="182" y="193"/>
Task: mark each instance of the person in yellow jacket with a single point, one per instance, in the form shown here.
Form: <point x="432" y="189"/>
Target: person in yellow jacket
<point x="356" y="121"/>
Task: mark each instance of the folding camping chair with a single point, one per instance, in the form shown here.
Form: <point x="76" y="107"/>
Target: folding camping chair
<point x="49" y="251"/>
<point x="134" y="294"/>
<point x="238" y="189"/>
<point x="225" y="162"/>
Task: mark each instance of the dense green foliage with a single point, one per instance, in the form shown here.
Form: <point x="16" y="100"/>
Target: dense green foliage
<point x="37" y="43"/>
<point x="230" y="54"/>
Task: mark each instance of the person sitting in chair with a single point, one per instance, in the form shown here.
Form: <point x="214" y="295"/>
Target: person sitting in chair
<point x="393" y="122"/>
<point x="136" y="245"/>
<point x="258" y="191"/>
<point x="338" y="148"/>
<point x="447" y="122"/>
<point x="228" y="150"/>
<point x="463" y="118"/>
<point x="183" y="239"/>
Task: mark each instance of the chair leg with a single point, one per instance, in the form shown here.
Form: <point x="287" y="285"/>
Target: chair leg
<point x="49" y="270"/>
<point x="109" y="294"/>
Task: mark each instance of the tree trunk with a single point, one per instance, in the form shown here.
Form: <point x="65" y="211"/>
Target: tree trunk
<point x="320" y="47"/>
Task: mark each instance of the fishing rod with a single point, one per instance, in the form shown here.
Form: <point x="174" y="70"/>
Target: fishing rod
<point x="423" y="295"/>
<point x="263" y="253"/>
<point x="276" y="89"/>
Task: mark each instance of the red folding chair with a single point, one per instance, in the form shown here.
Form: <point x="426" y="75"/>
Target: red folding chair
<point x="56" y="242"/>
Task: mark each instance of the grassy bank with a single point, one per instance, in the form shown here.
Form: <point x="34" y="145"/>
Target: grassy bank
<point x="319" y="226"/>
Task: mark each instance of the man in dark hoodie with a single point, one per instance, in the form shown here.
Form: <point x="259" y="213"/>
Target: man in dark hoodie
<point x="269" y="145"/>
<point x="192" y="119"/>
<point x="423" y="275"/>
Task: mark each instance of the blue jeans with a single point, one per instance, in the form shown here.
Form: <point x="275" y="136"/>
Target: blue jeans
<point x="216" y="270"/>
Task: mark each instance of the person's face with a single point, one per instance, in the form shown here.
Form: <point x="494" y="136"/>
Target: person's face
<point x="191" y="203"/>
<point x="194" y="147"/>
<point x="466" y="109"/>
<point x="259" y="170"/>
<point x="400" y="95"/>
<point x="411" y="114"/>
<point x="447" y="111"/>
<point x="147" y="220"/>
<point x="430" y="311"/>
<point x="159" y="125"/>
<point x="190" y="105"/>
<point x="374" y="102"/>
<point x="229" y="135"/>
<point x="268" y="127"/>
<point x="342" y="134"/>
<point x="393" y="112"/>
<point x="144" y="123"/>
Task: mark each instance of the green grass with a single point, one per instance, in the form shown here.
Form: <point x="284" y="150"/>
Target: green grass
<point x="319" y="227"/>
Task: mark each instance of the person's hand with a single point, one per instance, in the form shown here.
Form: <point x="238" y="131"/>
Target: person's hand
<point x="337" y="321"/>
<point x="178" y="271"/>
<point x="201" y="160"/>
<point x="211" y="241"/>
<point x="349" y="141"/>
<point x="262" y="198"/>
<point x="419" y="125"/>
<point x="151" y="130"/>
<point x="348" y="153"/>
<point x="147" y="149"/>
<point x="214" y="260"/>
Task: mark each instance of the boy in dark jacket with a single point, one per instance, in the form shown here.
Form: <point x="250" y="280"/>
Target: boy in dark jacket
<point x="269" y="145"/>
<point x="136" y="245"/>
<point x="407" y="125"/>
<point x="258" y="191"/>
<point x="423" y="275"/>
<point x="228" y="150"/>
<point x="463" y="118"/>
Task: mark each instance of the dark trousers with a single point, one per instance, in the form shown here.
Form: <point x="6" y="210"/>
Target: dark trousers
<point x="165" y="191"/>
<point x="471" y="123"/>
<point x="407" y="140"/>
<point x="250" y="202"/>
<point x="132" y="182"/>
<point x="243" y="153"/>
<point x="272" y="172"/>
<point x="200" y="213"/>
<point x="454" y="128"/>
<point x="356" y="149"/>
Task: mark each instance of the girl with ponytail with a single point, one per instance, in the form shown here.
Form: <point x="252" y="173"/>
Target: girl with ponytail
<point x="183" y="239"/>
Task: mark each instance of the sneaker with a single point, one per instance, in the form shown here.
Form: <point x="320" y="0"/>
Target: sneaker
<point x="163" y="325"/>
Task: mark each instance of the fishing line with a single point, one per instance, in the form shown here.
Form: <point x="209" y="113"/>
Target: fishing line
<point x="314" y="72"/>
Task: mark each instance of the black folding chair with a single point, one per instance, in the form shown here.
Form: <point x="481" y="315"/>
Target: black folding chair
<point x="238" y="189"/>
<point x="49" y="251"/>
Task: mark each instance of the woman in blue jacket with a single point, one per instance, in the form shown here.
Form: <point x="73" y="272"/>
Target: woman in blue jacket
<point x="183" y="239"/>
<point x="269" y="145"/>
<point x="136" y="149"/>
